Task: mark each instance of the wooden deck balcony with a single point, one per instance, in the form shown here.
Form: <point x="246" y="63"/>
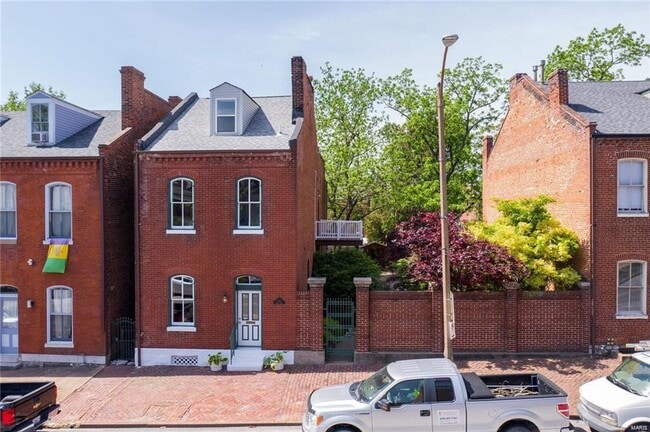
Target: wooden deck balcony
<point x="339" y="232"/>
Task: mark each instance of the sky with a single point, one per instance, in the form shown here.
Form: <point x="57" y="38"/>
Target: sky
<point x="78" y="47"/>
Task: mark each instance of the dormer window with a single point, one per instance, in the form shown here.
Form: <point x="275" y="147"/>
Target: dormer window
<point x="226" y="114"/>
<point x="40" y="123"/>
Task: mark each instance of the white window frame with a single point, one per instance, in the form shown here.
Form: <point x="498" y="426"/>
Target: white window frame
<point x="217" y="115"/>
<point x="49" y="210"/>
<point x="643" y="313"/>
<point x="54" y="343"/>
<point x="50" y="123"/>
<point x="184" y="280"/>
<point x="8" y="205"/>
<point x="248" y="229"/>
<point x="180" y="229"/>
<point x="621" y="189"/>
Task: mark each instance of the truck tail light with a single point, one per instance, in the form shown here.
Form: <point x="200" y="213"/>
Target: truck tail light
<point x="563" y="409"/>
<point x="8" y="416"/>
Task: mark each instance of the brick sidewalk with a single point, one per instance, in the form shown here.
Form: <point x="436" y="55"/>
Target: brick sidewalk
<point x="166" y="395"/>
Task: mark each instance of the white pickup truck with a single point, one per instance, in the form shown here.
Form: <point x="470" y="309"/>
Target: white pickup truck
<point x="620" y="401"/>
<point x="428" y="395"/>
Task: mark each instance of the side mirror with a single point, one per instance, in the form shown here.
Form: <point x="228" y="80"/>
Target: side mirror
<point x="383" y="405"/>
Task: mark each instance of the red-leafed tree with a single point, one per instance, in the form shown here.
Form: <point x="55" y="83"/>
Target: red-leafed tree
<point x="475" y="265"/>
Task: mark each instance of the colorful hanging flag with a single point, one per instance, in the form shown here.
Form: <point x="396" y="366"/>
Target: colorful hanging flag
<point x="57" y="257"/>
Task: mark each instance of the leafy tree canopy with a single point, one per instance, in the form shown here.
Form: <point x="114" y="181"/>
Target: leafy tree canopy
<point x="596" y="57"/>
<point x="348" y="134"/>
<point x="340" y="267"/>
<point x="529" y="232"/>
<point x="475" y="265"/>
<point x="379" y="140"/>
<point x="16" y="103"/>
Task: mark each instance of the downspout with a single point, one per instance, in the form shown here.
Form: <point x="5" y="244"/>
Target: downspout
<point x="102" y="251"/>
<point x="136" y="238"/>
<point x="592" y="229"/>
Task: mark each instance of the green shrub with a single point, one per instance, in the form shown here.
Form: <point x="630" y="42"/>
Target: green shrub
<point x="340" y="267"/>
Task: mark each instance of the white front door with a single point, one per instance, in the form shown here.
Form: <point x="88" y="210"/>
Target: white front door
<point x="249" y="318"/>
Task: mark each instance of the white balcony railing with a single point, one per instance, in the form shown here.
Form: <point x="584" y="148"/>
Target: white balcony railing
<point x="339" y="230"/>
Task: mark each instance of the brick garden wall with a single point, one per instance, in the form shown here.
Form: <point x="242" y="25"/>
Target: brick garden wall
<point x="394" y="324"/>
<point x="499" y="322"/>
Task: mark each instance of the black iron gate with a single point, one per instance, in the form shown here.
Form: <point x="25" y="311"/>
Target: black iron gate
<point x="338" y="329"/>
<point x="122" y="339"/>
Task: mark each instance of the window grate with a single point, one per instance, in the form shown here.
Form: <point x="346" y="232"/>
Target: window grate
<point x="185" y="360"/>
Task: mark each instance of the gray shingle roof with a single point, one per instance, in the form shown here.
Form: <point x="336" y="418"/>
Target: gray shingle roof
<point x="618" y="107"/>
<point x="270" y="129"/>
<point x="14" y="137"/>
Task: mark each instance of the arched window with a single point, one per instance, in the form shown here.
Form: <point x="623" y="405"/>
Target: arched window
<point x="182" y="300"/>
<point x="7" y="210"/>
<point x="58" y="205"/>
<point x="181" y="203"/>
<point x="249" y="203"/>
<point x="59" y="312"/>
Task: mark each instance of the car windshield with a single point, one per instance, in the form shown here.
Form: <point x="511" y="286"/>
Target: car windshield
<point x="373" y="385"/>
<point x="633" y="376"/>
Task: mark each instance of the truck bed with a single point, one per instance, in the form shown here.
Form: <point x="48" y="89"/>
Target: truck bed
<point x="26" y="405"/>
<point x="509" y="386"/>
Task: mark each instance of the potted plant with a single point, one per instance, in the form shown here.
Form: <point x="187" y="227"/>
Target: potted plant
<point x="275" y="362"/>
<point x="216" y="361"/>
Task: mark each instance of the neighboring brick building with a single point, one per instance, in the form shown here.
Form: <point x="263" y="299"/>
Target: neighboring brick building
<point x="66" y="176"/>
<point x="587" y="145"/>
<point x="229" y="189"/>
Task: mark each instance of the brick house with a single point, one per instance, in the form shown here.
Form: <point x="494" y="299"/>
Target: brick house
<point x="229" y="192"/>
<point x="587" y="145"/>
<point x="66" y="177"/>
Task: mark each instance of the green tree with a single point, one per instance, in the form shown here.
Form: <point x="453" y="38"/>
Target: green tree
<point x="340" y="267"/>
<point x="348" y="135"/>
<point x="474" y="103"/>
<point x="596" y="57"/>
<point x="16" y="103"/>
<point x="534" y="236"/>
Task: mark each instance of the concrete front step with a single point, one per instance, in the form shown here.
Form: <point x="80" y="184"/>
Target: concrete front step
<point x="641" y="346"/>
<point x="8" y="361"/>
<point x="246" y="360"/>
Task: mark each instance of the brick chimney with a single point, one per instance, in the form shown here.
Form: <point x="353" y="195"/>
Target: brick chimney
<point x="488" y="145"/>
<point x="298" y="77"/>
<point x="141" y="109"/>
<point x="174" y="100"/>
<point x="558" y="84"/>
<point x="516" y="78"/>
<point x="133" y="95"/>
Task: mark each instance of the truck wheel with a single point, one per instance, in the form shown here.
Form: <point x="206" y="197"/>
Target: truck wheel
<point x="345" y="429"/>
<point x="516" y="428"/>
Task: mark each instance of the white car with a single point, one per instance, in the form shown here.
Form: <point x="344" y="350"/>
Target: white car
<point x="621" y="400"/>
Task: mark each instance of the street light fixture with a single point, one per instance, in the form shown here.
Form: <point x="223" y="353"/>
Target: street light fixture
<point x="447" y="304"/>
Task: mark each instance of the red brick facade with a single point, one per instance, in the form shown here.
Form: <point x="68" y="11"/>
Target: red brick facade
<point x="100" y="262"/>
<point x="84" y="267"/>
<point x="545" y="147"/>
<point x="214" y="255"/>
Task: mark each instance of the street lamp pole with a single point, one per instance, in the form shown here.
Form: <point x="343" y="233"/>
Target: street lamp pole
<point x="448" y="353"/>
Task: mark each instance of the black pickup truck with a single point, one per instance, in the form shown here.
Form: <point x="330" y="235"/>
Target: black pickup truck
<point x="25" y="406"/>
